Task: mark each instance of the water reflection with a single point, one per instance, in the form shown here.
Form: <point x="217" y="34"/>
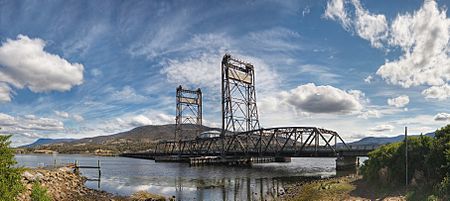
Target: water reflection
<point x="126" y="175"/>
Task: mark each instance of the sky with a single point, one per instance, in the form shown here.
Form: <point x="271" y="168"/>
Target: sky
<point x="75" y="69"/>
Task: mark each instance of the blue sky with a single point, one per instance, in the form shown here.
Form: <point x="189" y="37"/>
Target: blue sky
<point x="87" y="68"/>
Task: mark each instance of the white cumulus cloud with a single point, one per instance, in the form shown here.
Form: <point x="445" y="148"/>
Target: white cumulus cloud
<point x="371" y="27"/>
<point x="400" y="101"/>
<point x="335" y="10"/>
<point x="25" y="63"/>
<point x="424" y="39"/>
<point x="323" y="99"/>
<point x="437" y="92"/>
<point x="422" y="36"/>
<point x="442" y="117"/>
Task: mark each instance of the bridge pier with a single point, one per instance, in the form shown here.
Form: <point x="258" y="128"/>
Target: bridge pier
<point x="282" y="159"/>
<point x="347" y="163"/>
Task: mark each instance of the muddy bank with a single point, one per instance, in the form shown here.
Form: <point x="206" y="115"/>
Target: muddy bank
<point x="63" y="184"/>
<point x="351" y="187"/>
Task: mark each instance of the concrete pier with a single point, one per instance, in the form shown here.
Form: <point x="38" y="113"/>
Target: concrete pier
<point x="347" y="163"/>
<point x="234" y="161"/>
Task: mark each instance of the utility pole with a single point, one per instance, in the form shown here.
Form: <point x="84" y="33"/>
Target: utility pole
<point x="406" y="156"/>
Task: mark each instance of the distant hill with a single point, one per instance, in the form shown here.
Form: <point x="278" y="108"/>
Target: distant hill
<point x="46" y="141"/>
<point x="382" y="140"/>
<point x="137" y="139"/>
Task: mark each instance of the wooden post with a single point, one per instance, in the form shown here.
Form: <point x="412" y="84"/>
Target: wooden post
<point x="406" y="156"/>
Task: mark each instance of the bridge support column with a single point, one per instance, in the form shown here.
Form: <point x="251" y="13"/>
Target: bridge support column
<point x="283" y="159"/>
<point x="347" y="163"/>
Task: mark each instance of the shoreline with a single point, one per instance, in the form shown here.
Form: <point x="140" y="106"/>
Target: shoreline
<point x="346" y="188"/>
<point x="65" y="185"/>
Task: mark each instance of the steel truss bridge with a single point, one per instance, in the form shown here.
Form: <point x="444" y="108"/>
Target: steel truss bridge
<point x="241" y="133"/>
<point x="276" y="142"/>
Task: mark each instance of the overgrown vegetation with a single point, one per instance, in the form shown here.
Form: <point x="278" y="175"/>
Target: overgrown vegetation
<point x="428" y="166"/>
<point x="333" y="189"/>
<point x="10" y="185"/>
<point x="39" y="193"/>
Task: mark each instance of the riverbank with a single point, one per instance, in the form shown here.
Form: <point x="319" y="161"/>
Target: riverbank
<point x="63" y="184"/>
<point x="351" y="187"/>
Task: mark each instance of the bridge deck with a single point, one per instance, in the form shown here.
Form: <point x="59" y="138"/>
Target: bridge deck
<point x="276" y="142"/>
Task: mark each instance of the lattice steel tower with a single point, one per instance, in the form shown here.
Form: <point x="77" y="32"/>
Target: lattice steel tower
<point x="189" y="111"/>
<point x="239" y="111"/>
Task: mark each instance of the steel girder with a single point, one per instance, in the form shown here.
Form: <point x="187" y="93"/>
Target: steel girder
<point x="282" y="141"/>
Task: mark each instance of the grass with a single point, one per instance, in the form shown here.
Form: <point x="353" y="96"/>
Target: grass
<point x="143" y="195"/>
<point x="333" y="189"/>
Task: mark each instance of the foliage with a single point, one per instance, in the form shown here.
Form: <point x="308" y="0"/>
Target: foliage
<point x="428" y="166"/>
<point x="10" y="184"/>
<point x="39" y="193"/>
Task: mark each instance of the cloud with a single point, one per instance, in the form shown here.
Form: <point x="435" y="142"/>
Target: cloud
<point x="77" y="117"/>
<point x="400" y="101"/>
<point x="7" y="120"/>
<point x="197" y="71"/>
<point x="5" y="92"/>
<point x="96" y="72"/>
<point x="322" y="73"/>
<point x="368" y="79"/>
<point x="437" y="92"/>
<point x="24" y="63"/>
<point x="382" y="128"/>
<point x="424" y="40"/>
<point x="275" y="39"/>
<point x="128" y="95"/>
<point x="422" y="36"/>
<point x="66" y="115"/>
<point x="140" y="120"/>
<point x="130" y="121"/>
<point x="323" y="99"/>
<point x="370" y="113"/>
<point x="205" y="71"/>
<point x="28" y="125"/>
<point x="371" y="27"/>
<point x="335" y="10"/>
<point x="442" y="117"/>
<point x="62" y="114"/>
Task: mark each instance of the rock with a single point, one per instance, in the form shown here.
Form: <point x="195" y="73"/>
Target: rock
<point x="28" y="176"/>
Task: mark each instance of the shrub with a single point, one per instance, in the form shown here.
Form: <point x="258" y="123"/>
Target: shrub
<point x="428" y="166"/>
<point x="39" y="193"/>
<point x="10" y="184"/>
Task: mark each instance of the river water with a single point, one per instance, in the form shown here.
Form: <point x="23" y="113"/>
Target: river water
<point x="125" y="176"/>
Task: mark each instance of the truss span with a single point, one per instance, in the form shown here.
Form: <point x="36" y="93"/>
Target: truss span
<point x="280" y="141"/>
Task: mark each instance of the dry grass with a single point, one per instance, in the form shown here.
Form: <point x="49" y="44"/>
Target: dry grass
<point x="333" y="189"/>
<point x="145" y="196"/>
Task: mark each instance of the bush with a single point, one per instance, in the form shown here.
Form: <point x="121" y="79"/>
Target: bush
<point x="428" y="165"/>
<point x="10" y="184"/>
<point x="39" y="193"/>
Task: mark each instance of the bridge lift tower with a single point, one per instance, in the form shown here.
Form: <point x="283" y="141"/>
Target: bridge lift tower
<point x="239" y="111"/>
<point x="189" y="111"/>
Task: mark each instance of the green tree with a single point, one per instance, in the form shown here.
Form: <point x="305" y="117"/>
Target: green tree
<point x="428" y="165"/>
<point x="10" y="184"/>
